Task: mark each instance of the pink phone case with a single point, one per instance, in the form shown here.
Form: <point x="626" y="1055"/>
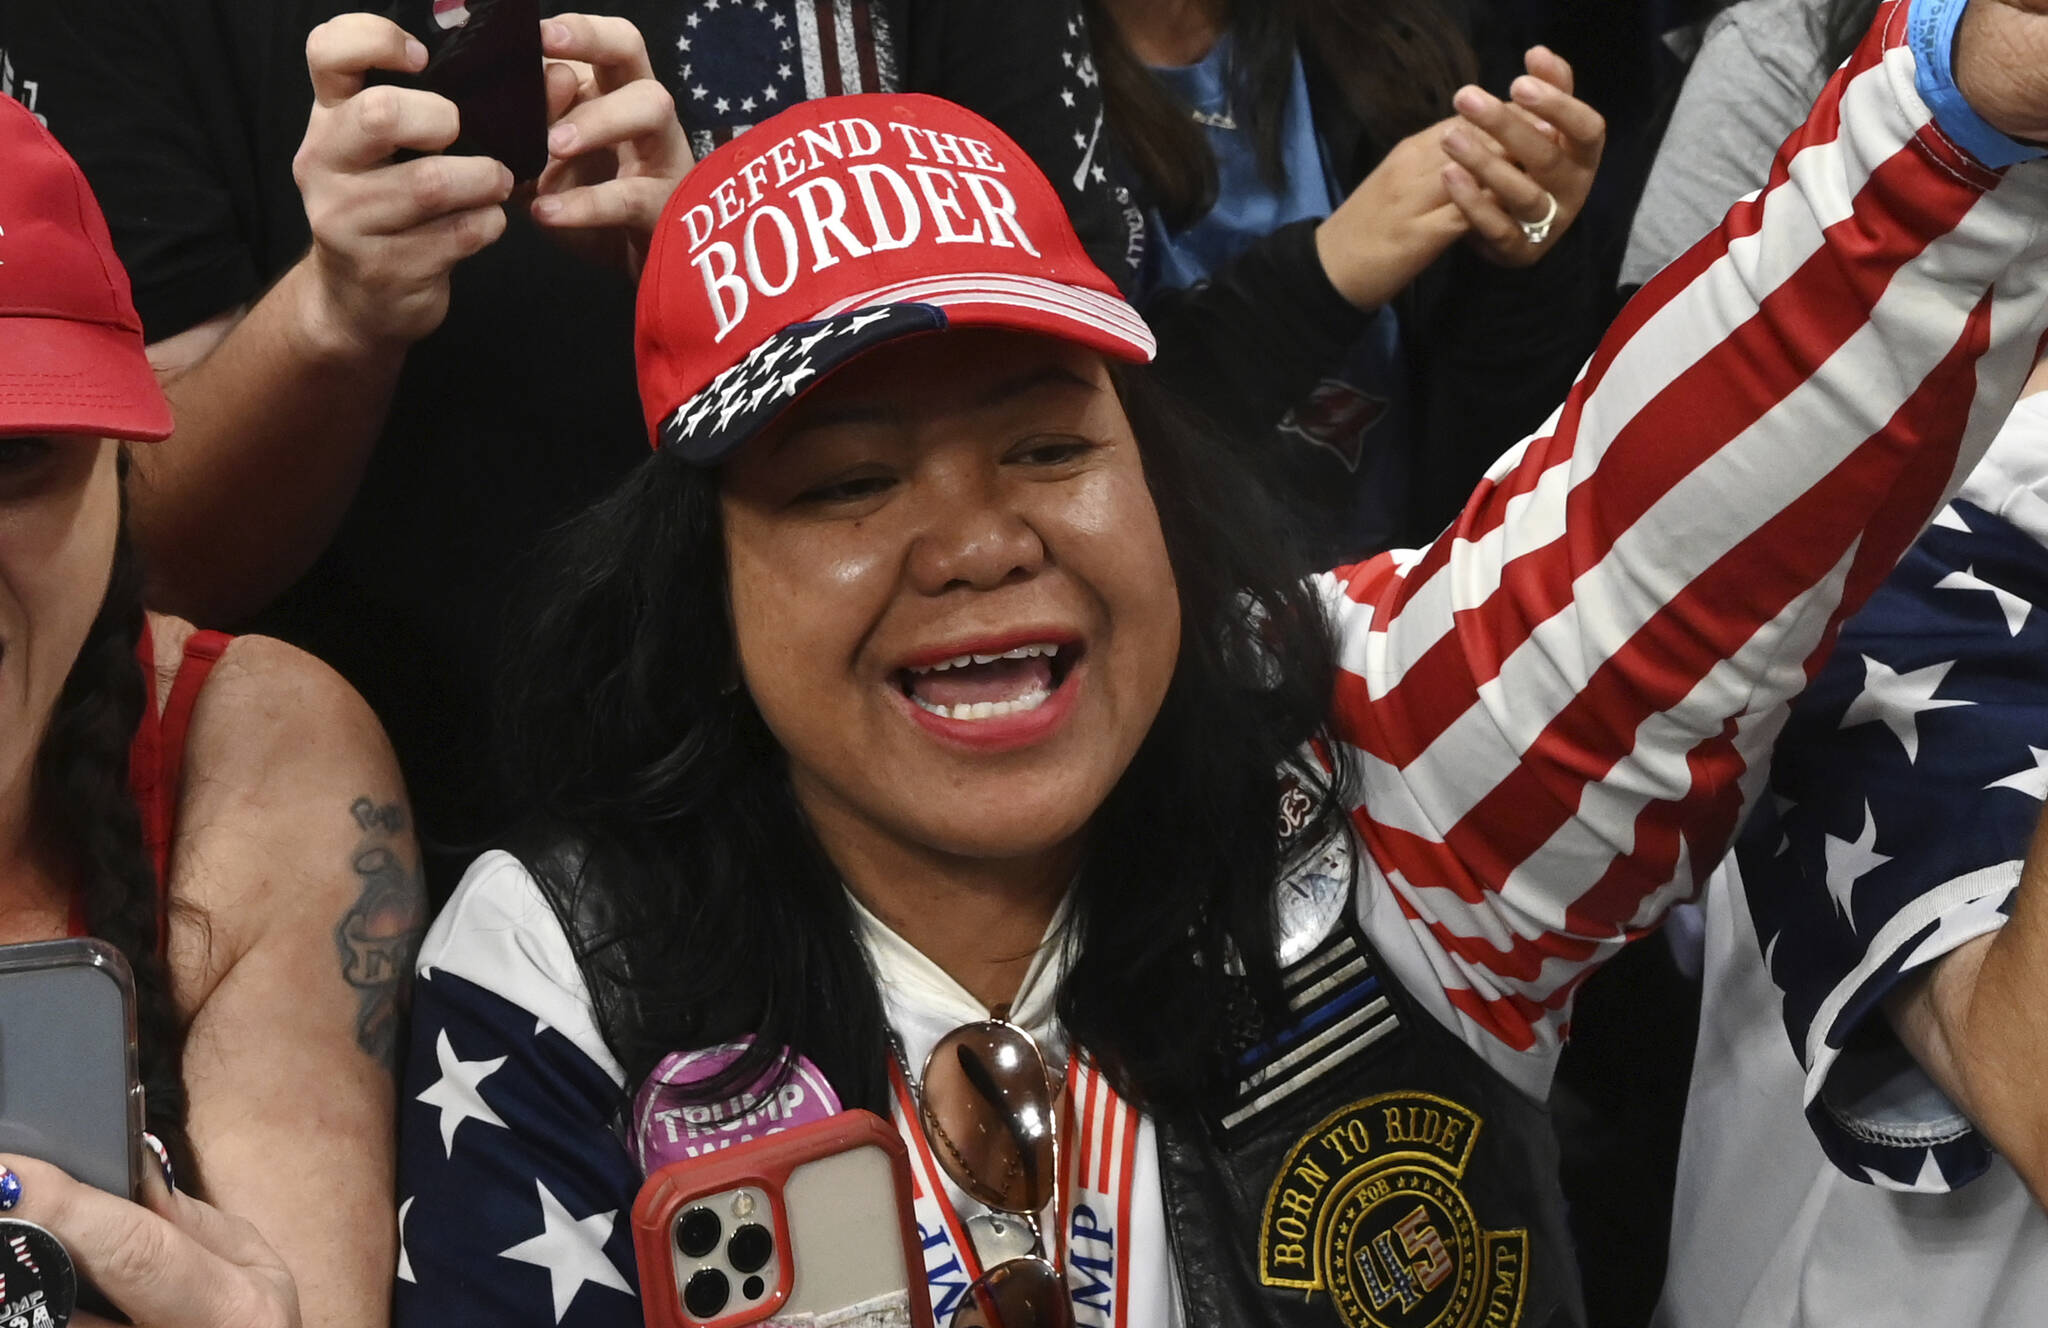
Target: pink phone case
<point x="835" y="1193"/>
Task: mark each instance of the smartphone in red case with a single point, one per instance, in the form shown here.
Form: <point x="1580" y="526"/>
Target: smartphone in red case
<point x="813" y="1220"/>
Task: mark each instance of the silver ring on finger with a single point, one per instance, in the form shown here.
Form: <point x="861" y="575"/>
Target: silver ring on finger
<point x="1536" y="232"/>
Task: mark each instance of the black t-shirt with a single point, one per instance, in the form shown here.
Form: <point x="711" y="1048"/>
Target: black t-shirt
<point x="520" y="409"/>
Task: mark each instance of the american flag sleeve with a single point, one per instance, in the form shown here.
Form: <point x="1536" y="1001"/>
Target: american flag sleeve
<point x="1558" y="710"/>
<point x="515" y="1189"/>
<point x="1902" y="800"/>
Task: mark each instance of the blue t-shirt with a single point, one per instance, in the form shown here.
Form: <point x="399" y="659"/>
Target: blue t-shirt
<point x="1358" y="411"/>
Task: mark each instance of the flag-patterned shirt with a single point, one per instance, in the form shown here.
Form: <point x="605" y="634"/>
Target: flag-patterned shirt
<point x="1556" y="712"/>
<point x="1903" y="797"/>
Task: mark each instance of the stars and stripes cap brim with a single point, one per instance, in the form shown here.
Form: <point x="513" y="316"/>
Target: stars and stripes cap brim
<point x="836" y="226"/>
<point x="744" y="399"/>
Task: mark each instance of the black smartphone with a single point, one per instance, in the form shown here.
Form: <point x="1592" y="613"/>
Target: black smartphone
<point x="484" y="55"/>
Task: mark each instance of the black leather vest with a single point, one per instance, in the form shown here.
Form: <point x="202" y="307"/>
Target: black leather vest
<point x="1372" y="1172"/>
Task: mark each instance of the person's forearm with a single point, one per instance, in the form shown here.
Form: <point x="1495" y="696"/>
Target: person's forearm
<point x="274" y="428"/>
<point x="1978" y="1024"/>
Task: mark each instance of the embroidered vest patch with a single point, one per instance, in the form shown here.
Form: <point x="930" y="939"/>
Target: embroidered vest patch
<point x="1367" y="1206"/>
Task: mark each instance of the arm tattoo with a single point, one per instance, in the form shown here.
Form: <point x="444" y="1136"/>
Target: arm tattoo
<point x="378" y="936"/>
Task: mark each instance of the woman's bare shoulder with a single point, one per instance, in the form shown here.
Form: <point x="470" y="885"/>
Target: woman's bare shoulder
<point x="292" y="816"/>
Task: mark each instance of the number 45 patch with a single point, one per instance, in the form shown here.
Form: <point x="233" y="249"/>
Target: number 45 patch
<point x="1368" y="1207"/>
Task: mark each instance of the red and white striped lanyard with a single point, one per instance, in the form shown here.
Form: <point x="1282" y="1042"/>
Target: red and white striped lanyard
<point x="1099" y="1138"/>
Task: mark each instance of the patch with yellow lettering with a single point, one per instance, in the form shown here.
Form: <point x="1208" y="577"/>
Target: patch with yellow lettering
<point x="1368" y="1207"/>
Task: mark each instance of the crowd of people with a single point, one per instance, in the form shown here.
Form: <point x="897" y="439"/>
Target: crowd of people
<point x="1164" y="538"/>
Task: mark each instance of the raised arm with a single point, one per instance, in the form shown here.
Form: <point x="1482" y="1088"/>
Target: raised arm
<point x="279" y="408"/>
<point x="1560" y="707"/>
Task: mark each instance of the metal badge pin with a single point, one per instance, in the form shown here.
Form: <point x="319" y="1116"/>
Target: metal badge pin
<point x="38" y="1285"/>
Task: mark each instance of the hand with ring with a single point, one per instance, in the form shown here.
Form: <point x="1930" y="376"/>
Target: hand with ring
<point x="1521" y="169"/>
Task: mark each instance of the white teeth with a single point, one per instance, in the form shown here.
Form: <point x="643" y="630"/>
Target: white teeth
<point x="962" y="661"/>
<point x="1031" y="700"/>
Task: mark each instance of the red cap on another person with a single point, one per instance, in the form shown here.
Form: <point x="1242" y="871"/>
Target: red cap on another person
<point x="71" y="357"/>
<point x="839" y="224"/>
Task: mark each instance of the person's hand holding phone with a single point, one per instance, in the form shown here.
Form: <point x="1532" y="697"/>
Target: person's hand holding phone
<point x="170" y="1261"/>
<point x="615" y="148"/>
<point x="386" y="233"/>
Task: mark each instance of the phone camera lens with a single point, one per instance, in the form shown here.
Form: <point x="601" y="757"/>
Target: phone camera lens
<point x="752" y="1288"/>
<point x="706" y="1294"/>
<point x="750" y="1247"/>
<point x="697" y="1234"/>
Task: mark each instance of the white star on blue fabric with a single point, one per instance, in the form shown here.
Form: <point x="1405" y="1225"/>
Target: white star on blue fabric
<point x="796" y="377"/>
<point x="1849" y="861"/>
<point x="2015" y="609"/>
<point x="1958" y="926"/>
<point x="1929" y="1181"/>
<point x="455" y="1092"/>
<point x="404" y="1259"/>
<point x="823" y="334"/>
<point x="571" y="1249"/>
<point x="2033" y="783"/>
<point x="1897" y="700"/>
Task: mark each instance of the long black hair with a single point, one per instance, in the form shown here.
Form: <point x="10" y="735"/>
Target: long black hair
<point x="83" y="802"/>
<point x="1395" y="62"/>
<point x="661" y="824"/>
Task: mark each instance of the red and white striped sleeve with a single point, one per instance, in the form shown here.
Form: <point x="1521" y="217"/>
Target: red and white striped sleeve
<point x="1558" y="711"/>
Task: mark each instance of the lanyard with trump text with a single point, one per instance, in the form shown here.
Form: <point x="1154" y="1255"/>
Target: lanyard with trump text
<point x="1098" y="1136"/>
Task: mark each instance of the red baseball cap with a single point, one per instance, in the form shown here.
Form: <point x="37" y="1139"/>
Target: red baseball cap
<point x="839" y="224"/>
<point x="71" y="358"/>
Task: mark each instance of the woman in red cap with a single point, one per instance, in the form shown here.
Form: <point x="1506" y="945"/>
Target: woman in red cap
<point x="227" y="814"/>
<point x="936" y="704"/>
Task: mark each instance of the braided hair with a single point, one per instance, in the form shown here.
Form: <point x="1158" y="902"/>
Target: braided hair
<point x="83" y="797"/>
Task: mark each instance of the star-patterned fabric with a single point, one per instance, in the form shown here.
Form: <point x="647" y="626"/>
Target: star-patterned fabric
<point x="1555" y="714"/>
<point x="738" y="402"/>
<point x="1904" y="792"/>
<point x="517" y="1202"/>
<point x="737" y="62"/>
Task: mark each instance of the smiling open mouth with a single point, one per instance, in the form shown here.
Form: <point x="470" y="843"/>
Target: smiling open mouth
<point x="989" y="686"/>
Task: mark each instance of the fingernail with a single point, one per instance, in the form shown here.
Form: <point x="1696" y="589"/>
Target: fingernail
<point x="1473" y="100"/>
<point x="561" y="138"/>
<point x="554" y="34"/>
<point x="415" y="52"/>
<point x="1526" y="89"/>
<point x="10" y="1190"/>
<point x="505" y="180"/>
<point x="547" y="208"/>
<point x="163" y="1158"/>
<point x="1456" y="141"/>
